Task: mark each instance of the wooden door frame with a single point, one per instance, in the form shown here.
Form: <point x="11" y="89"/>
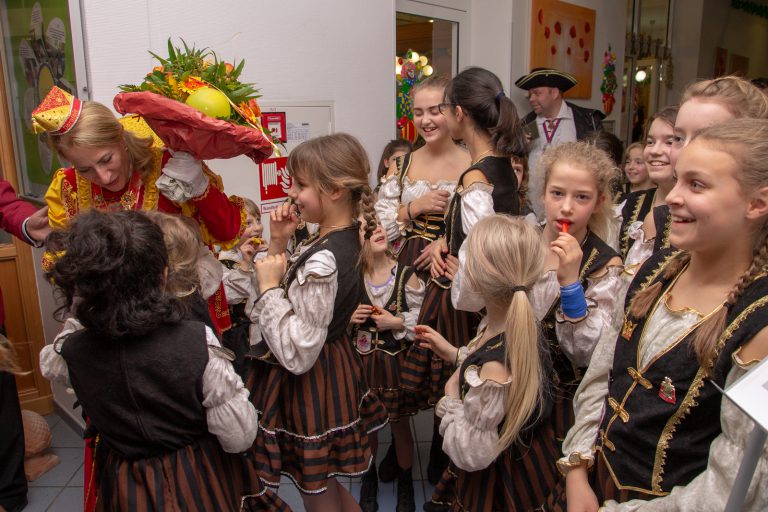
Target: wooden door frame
<point x="39" y="398"/>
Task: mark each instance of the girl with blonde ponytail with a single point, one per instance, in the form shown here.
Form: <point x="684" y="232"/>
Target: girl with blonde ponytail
<point x="306" y="379"/>
<point x="494" y="412"/>
<point x="696" y="319"/>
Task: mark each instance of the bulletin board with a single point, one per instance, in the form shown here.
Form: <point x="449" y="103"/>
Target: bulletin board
<point x="42" y="47"/>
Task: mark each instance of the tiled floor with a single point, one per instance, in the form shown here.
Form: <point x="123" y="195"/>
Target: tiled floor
<point x="61" y="489"/>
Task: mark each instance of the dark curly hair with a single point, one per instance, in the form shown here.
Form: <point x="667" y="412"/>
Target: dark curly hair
<point x="110" y="273"/>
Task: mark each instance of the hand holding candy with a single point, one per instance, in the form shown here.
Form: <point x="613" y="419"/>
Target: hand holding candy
<point x="430" y="339"/>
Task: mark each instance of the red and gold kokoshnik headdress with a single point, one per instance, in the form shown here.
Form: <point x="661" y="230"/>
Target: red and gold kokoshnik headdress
<point x="57" y="113"/>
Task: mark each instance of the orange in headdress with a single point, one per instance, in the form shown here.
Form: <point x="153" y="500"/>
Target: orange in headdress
<point x="57" y="113"/>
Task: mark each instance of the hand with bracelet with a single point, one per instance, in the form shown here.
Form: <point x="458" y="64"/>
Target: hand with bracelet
<point x="569" y="253"/>
<point x="434" y="201"/>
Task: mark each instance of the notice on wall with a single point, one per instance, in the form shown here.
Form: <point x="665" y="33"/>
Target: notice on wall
<point x="299" y="133"/>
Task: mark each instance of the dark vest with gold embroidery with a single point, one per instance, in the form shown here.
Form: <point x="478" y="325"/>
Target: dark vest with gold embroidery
<point x="661" y="419"/>
<point x="635" y="209"/>
<point x="595" y="255"/>
<point x="495" y="350"/>
<point x="397" y="303"/>
<point x="663" y="222"/>
<point x="427" y="225"/>
<point x="499" y="173"/>
<point x="345" y="246"/>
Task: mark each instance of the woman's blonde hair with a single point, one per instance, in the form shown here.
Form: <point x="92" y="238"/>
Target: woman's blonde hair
<point x="596" y="161"/>
<point x="739" y="96"/>
<point x="505" y="257"/>
<point x="98" y="127"/>
<point x="182" y="241"/>
<point x="334" y="162"/>
<point x="746" y="141"/>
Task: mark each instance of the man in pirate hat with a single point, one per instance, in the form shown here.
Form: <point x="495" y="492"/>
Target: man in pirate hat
<point x="553" y="120"/>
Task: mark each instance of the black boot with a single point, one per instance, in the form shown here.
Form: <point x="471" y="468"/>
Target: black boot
<point x="405" y="501"/>
<point x="438" y="460"/>
<point x="388" y="468"/>
<point x="369" y="490"/>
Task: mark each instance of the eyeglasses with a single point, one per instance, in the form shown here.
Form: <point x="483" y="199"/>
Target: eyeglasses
<point x="444" y="107"/>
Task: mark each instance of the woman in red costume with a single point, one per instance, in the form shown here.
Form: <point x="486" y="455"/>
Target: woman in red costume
<point x="121" y="165"/>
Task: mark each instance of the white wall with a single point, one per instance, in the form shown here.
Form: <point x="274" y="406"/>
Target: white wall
<point x="334" y="50"/>
<point x="500" y="41"/>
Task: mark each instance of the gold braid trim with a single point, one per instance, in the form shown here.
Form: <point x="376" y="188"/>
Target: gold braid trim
<point x="625" y="235"/>
<point x="665" y="235"/>
<point x="694" y="392"/>
<point x="590" y="259"/>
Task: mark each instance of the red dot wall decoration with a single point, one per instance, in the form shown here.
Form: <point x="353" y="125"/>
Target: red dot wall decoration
<point x="563" y="37"/>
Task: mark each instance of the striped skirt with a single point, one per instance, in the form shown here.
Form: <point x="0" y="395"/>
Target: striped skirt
<point x="562" y="411"/>
<point x="314" y="426"/>
<point x="520" y="479"/>
<point x="198" y="477"/>
<point x="422" y="369"/>
<point x="602" y="483"/>
<point x="382" y="371"/>
<point x="410" y="251"/>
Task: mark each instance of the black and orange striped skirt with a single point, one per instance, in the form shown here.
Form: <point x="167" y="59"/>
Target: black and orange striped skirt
<point x="520" y="479"/>
<point x="314" y="426"/>
<point x="410" y="251"/>
<point x="198" y="477"/>
<point x="382" y="371"/>
<point x="422" y="369"/>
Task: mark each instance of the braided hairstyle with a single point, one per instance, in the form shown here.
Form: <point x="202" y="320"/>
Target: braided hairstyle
<point x="736" y="94"/>
<point x="746" y="141"/>
<point x="334" y="162"/>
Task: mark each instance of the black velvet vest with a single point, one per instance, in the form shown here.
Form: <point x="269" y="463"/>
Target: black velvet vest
<point x="499" y="173"/>
<point x="397" y="303"/>
<point x="595" y="255"/>
<point x="660" y="420"/>
<point x="345" y="246"/>
<point x="663" y="222"/>
<point x="143" y="394"/>
<point x="635" y="209"/>
<point x="495" y="350"/>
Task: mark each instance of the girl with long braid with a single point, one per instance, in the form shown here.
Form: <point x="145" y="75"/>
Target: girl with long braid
<point x="307" y="379"/>
<point x="696" y="315"/>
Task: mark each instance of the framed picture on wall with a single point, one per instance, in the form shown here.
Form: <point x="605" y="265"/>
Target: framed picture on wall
<point x="42" y="47"/>
<point x="563" y="38"/>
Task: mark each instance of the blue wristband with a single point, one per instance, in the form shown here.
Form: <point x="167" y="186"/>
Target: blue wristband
<point x="572" y="300"/>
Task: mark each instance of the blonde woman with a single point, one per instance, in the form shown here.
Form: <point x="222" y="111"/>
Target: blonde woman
<point x="493" y="422"/>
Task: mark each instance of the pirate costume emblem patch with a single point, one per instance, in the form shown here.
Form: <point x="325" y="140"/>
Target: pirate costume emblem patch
<point x="667" y="391"/>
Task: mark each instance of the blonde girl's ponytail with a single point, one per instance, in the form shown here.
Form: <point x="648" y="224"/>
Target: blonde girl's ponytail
<point x="504" y="259"/>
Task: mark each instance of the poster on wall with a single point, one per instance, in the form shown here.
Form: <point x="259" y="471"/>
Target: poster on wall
<point x="563" y="38"/>
<point x="40" y="52"/>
